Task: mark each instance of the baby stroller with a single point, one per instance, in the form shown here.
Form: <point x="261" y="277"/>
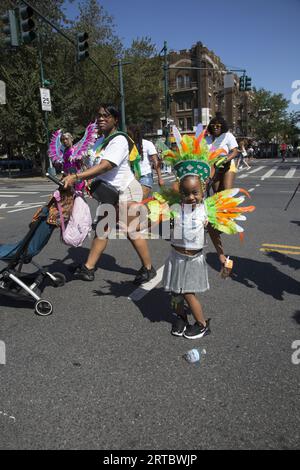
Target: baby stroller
<point x="23" y="286"/>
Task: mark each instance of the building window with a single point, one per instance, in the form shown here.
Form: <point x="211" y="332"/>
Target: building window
<point x="180" y="81"/>
<point x="181" y="124"/>
<point x="189" y="123"/>
<point x="188" y="81"/>
<point x="180" y="105"/>
<point x="188" y="104"/>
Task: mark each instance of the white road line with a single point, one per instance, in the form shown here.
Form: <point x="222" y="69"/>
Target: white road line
<point x="27" y="207"/>
<point x="250" y="190"/>
<point x="269" y="173"/>
<point x="291" y="172"/>
<point x="242" y="176"/>
<point x="3" y="191"/>
<point x="256" y="169"/>
<point x="8" y="195"/>
<point x="257" y="185"/>
<point x="143" y="290"/>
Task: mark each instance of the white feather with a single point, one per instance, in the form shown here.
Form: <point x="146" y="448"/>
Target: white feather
<point x="177" y="136"/>
<point x="199" y="129"/>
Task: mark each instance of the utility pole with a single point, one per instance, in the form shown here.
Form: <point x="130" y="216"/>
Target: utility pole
<point x="166" y="89"/>
<point x="122" y="95"/>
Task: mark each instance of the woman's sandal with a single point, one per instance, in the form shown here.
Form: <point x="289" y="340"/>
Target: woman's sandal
<point x="226" y="268"/>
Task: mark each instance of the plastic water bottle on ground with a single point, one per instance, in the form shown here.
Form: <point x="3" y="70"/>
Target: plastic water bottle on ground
<point x="194" y="355"/>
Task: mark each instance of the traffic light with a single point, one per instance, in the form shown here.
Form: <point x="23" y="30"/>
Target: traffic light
<point x="242" y="83"/>
<point x="247" y="83"/>
<point x="27" y="25"/>
<point x="82" y="46"/>
<point x="10" y="28"/>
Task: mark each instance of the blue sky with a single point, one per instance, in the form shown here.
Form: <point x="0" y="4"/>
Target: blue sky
<point x="262" y="36"/>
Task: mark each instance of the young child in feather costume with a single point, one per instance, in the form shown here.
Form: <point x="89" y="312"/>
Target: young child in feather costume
<point x="185" y="271"/>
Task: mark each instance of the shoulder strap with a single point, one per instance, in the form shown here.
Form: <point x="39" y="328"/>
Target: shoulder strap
<point x="115" y="134"/>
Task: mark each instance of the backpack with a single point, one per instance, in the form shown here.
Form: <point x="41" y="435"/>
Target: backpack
<point x="79" y="224"/>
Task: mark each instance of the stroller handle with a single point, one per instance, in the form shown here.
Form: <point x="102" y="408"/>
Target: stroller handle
<point x="55" y="180"/>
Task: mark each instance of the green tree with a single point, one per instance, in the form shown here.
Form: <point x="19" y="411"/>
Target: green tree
<point x="142" y="82"/>
<point x="268" y="114"/>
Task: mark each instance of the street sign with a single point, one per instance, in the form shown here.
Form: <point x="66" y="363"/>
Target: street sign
<point x="45" y="99"/>
<point x="2" y="92"/>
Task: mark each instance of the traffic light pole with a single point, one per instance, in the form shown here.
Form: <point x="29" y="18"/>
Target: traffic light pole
<point x="70" y="40"/>
<point x="122" y="94"/>
<point x="51" y="169"/>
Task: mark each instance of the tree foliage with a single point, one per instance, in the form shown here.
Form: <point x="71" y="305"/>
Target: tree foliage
<point x="270" y="119"/>
<point x="76" y="88"/>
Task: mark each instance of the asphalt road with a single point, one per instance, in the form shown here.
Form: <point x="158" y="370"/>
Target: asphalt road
<point x="103" y="371"/>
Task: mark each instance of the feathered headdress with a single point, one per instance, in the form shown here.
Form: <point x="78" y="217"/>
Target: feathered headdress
<point x="193" y="156"/>
<point x="222" y="208"/>
<point x="56" y="149"/>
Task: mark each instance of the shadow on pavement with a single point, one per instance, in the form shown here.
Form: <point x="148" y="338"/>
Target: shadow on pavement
<point x="296" y="317"/>
<point x="262" y="275"/>
<point x="155" y="305"/>
<point x="79" y="255"/>
<point x="297" y="222"/>
<point x="284" y="260"/>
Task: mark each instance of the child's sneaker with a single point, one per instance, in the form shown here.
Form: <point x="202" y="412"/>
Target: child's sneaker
<point x="197" y="331"/>
<point x="179" y="326"/>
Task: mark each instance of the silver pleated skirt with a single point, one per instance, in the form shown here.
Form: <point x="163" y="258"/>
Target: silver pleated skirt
<point x="185" y="273"/>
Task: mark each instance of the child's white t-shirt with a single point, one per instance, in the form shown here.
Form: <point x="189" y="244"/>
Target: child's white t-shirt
<point x="189" y="226"/>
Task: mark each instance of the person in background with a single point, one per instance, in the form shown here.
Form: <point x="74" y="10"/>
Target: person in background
<point x="219" y="137"/>
<point x="149" y="157"/>
<point x="283" y="150"/>
<point x="242" y="156"/>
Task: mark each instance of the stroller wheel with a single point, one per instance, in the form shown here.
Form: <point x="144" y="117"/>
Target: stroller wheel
<point x="43" y="307"/>
<point x="60" y="279"/>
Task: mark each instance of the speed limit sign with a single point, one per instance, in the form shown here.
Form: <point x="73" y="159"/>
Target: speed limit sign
<point x="45" y="99"/>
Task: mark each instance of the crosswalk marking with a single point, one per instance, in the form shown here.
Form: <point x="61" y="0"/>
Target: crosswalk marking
<point x="257" y="169"/>
<point x="32" y="206"/>
<point x="270" y="172"/>
<point x="291" y="172"/>
<point x="16" y="193"/>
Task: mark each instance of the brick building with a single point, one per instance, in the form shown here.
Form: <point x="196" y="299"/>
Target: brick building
<point x="196" y="95"/>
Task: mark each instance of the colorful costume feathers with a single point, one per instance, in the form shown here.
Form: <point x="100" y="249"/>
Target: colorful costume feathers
<point x="56" y="149"/>
<point x="222" y="208"/>
<point x="193" y="154"/>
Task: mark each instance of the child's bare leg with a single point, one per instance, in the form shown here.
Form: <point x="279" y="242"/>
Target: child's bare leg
<point x="195" y="307"/>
